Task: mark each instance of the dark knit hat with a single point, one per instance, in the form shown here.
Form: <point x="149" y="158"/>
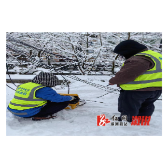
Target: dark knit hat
<point x="129" y="48"/>
<point x="46" y="79"/>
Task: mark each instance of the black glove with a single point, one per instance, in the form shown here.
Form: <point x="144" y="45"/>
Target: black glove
<point x="75" y="100"/>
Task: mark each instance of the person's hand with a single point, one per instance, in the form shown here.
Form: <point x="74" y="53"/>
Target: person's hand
<point x="75" y="99"/>
<point x="72" y="98"/>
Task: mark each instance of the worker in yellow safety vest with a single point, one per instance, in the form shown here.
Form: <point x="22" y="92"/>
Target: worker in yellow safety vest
<point x="140" y="79"/>
<point x="37" y="99"/>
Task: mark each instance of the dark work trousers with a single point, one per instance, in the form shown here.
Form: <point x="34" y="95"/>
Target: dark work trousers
<point x="137" y="103"/>
<point x="51" y="108"/>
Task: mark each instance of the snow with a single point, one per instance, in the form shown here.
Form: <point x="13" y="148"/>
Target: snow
<point x="82" y="121"/>
<point x="23" y="77"/>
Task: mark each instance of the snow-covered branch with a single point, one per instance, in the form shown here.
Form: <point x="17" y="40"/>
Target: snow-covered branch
<point x="90" y="50"/>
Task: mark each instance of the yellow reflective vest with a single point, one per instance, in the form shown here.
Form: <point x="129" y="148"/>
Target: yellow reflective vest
<point x="151" y="78"/>
<point x="25" y="98"/>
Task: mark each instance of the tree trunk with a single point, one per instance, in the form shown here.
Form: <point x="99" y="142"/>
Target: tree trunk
<point x="128" y="35"/>
<point x="49" y="63"/>
<point x="113" y="66"/>
<point x="101" y="40"/>
<point x="39" y="53"/>
<point x="87" y="45"/>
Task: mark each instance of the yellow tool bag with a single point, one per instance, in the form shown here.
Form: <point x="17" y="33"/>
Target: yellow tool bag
<point x="70" y="106"/>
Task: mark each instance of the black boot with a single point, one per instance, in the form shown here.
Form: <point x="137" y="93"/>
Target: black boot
<point x="43" y="118"/>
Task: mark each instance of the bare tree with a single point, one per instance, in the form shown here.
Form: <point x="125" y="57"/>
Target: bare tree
<point x="76" y="48"/>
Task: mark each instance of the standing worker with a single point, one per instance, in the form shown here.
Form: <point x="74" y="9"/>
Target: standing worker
<point x="37" y="100"/>
<point x="140" y="79"/>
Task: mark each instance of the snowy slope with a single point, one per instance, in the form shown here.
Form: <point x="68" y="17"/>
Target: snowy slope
<point x="82" y="121"/>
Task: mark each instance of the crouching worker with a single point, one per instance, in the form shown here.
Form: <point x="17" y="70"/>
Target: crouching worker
<point x="37" y="100"/>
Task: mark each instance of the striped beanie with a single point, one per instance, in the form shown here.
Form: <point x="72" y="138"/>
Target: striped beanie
<point x="46" y="79"/>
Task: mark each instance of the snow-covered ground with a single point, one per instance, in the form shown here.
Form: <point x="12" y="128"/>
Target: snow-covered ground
<point x="82" y="121"/>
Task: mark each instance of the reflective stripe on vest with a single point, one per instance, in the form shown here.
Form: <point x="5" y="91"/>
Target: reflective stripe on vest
<point x="24" y="113"/>
<point x="146" y="81"/>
